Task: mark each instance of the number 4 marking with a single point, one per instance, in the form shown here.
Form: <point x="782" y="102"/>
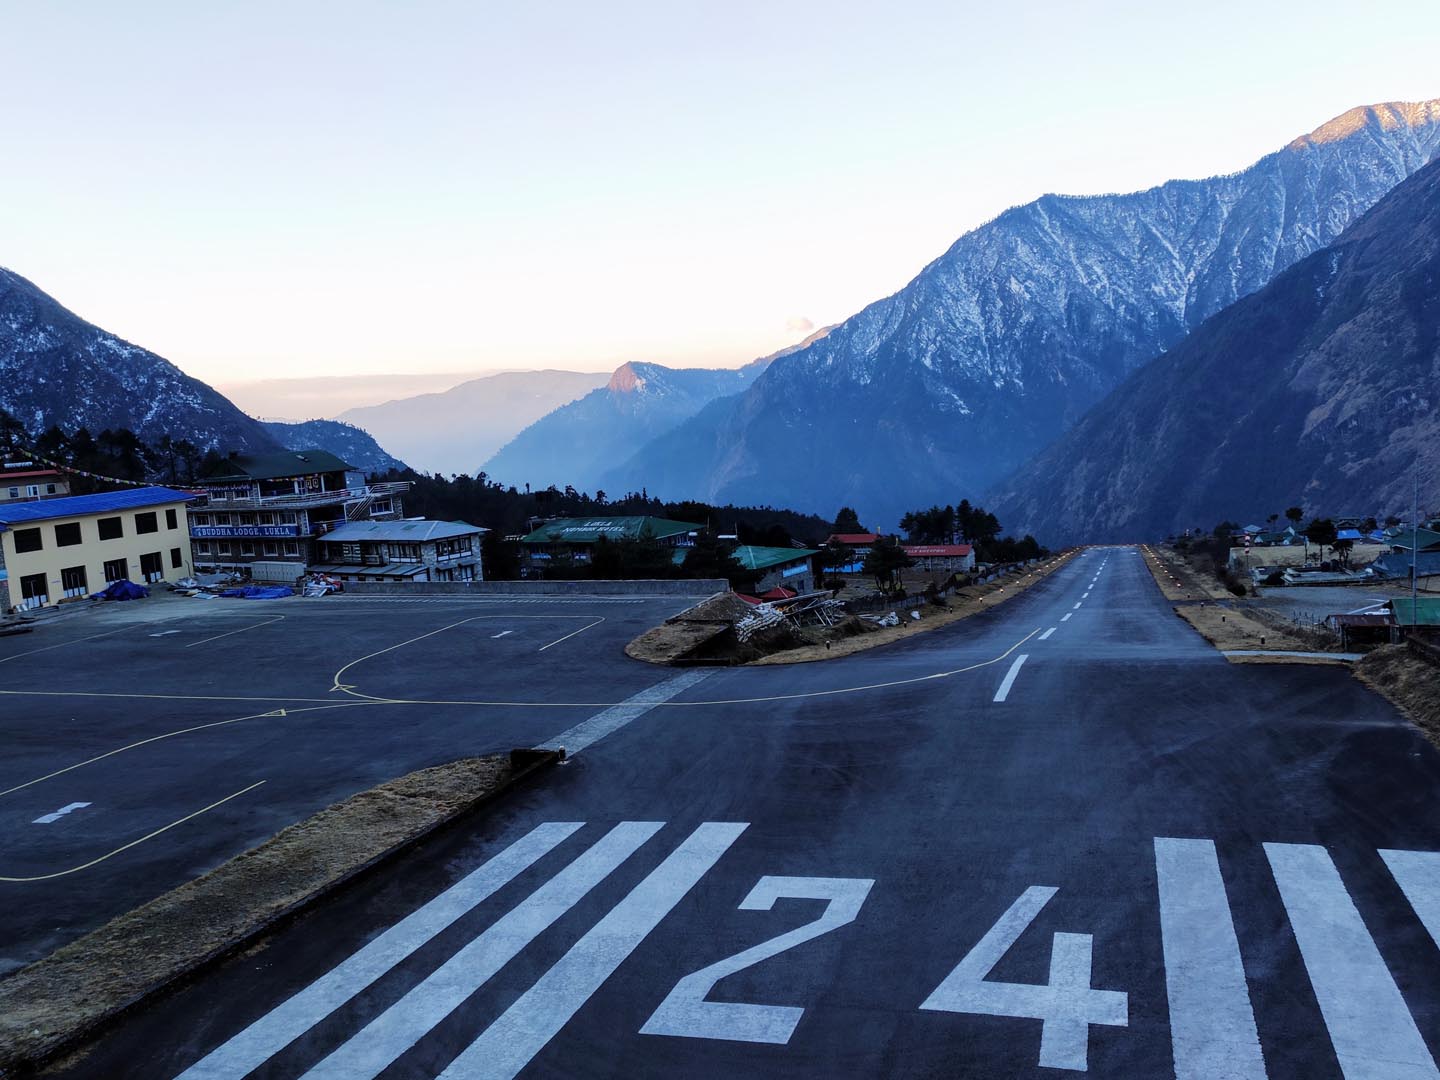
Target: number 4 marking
<point x="685" y="1012"/>
<point x="1068" y="1005"/>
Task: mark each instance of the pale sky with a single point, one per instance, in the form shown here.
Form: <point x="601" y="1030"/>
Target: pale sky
<point x="267" y="189"/>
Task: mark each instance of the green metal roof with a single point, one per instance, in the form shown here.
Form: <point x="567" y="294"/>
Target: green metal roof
<point x="587" y="530"/>
<point x="278" y="466"/>
<point x="1406" y="539"/>
<point x="762" y="558"/>
<point x="1425" y="612"/>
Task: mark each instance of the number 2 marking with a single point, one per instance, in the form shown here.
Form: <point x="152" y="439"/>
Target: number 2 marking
<point x="686" y="1013"/>
<point x="1067" y="1005"/>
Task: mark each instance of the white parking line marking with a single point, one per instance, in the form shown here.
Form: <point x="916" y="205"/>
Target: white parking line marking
<point x="50" y="819"/>
<point x="1212" y="1023"/>
<point x="1371" y="1028"/>
<point x="1066" y="616"/>
<point x="568" y="636"/>
<point x="523" y="1030"/>
<point x="246" y="1051"/>
<point x="1418" y="875"/>
<point x="588" y="732"/>
<point x="372" y="1049"/>
<point x="1009" y="680"/>
<point x="501" y="634"/>
<point x="1046" y="635"/>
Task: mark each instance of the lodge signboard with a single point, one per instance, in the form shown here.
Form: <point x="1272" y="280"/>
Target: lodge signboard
<point x="223" y="532"/>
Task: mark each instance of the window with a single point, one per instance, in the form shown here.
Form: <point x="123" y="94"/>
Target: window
<point x="405" y="552"/>
<point x="32" y="490"/>
<point x="223" y="547"/>
<point x="267" y="519"/>
<point x="177" y="560"/>
<point x="292" y="547"/>
<point x="15" y="493"/>
<point x="111" y="528"/>
<point x="34" y="591"/>
<point x="146" y="523"/>
<point x="245" y="519"/>
<point x="172" y="520"/>
<point x="203" y="547"/>
<point x="270" y="548"/>
<point x="72" y="581"/>
<point x="222" y="519"/>
<point x="247" y="548"/>
<point x="115" y="569"/>
<point x="67" y="535"/>
<point x="49" y="489"/>
<point x="199" y="519"/>
<point x="151" y="568"/>
<point x="27" y="540"/>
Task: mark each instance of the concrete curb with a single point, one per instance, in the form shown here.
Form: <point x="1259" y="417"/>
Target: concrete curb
<point x="525" y="764"/>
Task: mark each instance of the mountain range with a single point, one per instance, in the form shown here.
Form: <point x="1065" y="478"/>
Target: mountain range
<point x="346" y="441"/>
<point x="579" y="443"/>
<point x="57" y="369"/>
<point x="455" y="430"/>
<point x="1000" y="345"/>
<point x="1322" y="390"/>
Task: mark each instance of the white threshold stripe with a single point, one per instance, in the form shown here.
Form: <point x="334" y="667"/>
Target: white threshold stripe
<point x="589" y="732"/>
<point x="1046" y="635"/>
<point x="1371" y="1028"/>
<point x="1418" y="875"/>
<point x="372" y="1049"/>
<point x="1212" y="1023"/>
<point x="524" y="1029"/>
<point x="1009" y="680"/>
<point x="270" y="1034"/>
<point x="1066" y="616"/>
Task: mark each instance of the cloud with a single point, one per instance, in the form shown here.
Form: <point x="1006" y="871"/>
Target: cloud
<point x="799" y="324"/>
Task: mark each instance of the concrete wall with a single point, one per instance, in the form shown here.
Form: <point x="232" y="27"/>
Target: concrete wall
<point x="696" y="587"/>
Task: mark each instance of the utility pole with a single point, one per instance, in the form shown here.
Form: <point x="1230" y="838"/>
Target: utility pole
<point x="1415" y="550"/>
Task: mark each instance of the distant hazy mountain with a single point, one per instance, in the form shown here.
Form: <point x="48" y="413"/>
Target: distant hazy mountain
<point x="329" y="395"/>
<point x="1001" y="344"/>
<point x="580" y="442"/>
<point x="341" y="439"/>
<point x="1319" y="390"/>
<point x="454" y="431"/>
<point x="56" y="368"/>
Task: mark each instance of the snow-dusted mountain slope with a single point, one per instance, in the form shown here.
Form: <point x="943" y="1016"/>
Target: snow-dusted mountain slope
<point x="1319" y="391"/>
<point x="57" y="369"/>
<point x="354" y="445"/>
<point x="1002" y="343"/>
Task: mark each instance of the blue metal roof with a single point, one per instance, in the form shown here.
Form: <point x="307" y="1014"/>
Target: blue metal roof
<point x="78" y="505"/>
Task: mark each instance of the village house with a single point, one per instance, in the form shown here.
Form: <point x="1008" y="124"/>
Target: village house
<point x="261" y="514"/>
<point x="408" y="550"/>
<point x="61" y="549"/>
<point x="573" y="539"/>
<point x="789" y="568"/>
<point x="942" y="558"/>
<point x="24" y="480"/>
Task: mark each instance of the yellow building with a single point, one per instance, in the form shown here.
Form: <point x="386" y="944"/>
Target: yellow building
<point x="56" y="550"/>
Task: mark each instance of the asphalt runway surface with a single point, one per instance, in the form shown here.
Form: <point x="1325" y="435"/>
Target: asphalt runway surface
<point x="221" y="722"/>
<point x="1063" y="836"/>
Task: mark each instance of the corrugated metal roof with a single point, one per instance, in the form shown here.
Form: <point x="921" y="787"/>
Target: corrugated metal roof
<point x="356" y="569"/>
<point x="1425" y="611"/>
<point x="277" y="466"/>
<point x="762" y="558"/>
<point x="79" y="505"/>
<point x="414" y="532"/>
<point x="852" y="539"/>
<point x="1406" y="539"/>
<point x="587" y="530"/>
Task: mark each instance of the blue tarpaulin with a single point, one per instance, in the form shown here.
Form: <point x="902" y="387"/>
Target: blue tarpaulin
<point x="259" y="592"/>
<point x="123" y="589"/>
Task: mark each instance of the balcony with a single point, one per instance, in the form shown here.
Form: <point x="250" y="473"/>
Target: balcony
<point x="306" y="500"/>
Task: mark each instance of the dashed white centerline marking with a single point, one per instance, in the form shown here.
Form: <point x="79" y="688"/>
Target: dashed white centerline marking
<point x="50" y="819"/>
<point x="164" y="633"/>
<point x="1046" y="635"/>
<point x="1009" y="681"/>
<point x="1066" y="616"/>
<point x="1077" y="606"/>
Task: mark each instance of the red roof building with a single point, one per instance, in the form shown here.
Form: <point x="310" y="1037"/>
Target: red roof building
<point x="854" y="540"/>
<point x="951" y="558"/>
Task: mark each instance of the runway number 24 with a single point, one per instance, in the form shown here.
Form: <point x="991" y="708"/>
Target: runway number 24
<point x="1067" y="1005"/>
